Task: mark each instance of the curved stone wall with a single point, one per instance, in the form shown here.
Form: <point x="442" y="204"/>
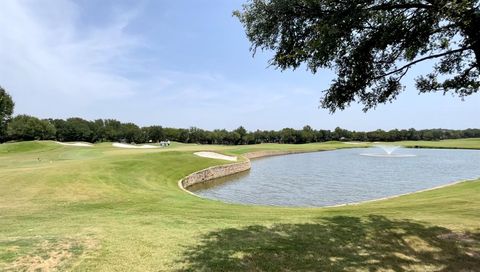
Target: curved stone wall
<point x="214" y="172"/>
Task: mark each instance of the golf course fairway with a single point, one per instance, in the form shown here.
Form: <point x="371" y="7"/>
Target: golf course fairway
<point x="103" y="208"/>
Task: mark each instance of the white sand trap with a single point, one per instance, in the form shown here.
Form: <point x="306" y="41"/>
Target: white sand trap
<point x="76" y="144"/>
<point x="354" y="143"/>
<point x="213" y="155"/>
<point x="134" y="146"/>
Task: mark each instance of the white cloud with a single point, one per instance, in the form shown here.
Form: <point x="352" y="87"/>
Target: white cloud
<point x="56" y="65"/>
<point x="44" y="53"/>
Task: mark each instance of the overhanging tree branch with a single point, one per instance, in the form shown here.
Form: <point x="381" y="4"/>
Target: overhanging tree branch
<point x="423" y="59"/>
<point x="400" y="6"/>
<point x="364" y="41"/>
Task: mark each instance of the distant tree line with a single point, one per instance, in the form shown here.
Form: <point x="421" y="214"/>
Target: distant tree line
<point x="24" y="127"/>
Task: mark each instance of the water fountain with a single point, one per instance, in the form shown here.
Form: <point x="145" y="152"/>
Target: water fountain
<point x="388" y="149"/>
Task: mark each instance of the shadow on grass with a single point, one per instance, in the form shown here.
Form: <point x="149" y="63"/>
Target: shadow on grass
<point x="338" y="243"/>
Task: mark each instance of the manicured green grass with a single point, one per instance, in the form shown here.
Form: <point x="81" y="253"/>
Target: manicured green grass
<point x="110" y="209"/>
<point x="472" y="143"/>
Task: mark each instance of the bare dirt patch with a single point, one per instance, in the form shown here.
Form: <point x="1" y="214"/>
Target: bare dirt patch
<point x="468" y="241"/>
<point x="458" y="237"/>
<point x="51" y="255"/>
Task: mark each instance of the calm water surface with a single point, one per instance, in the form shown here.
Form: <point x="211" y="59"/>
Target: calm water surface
<point x="341" y="176"/>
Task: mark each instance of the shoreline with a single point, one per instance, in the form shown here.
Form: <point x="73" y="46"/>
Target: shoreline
<point x="205" y="175"/>
<point x="399" y="195"/>
<point x="224" y="170"/>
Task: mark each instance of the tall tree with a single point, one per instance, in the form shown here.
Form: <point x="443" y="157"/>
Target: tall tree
<point x="132" y="133"/>
<point x="113" y="130"/>
<point x="78" y="129"/>
<point x="242" y="132"/>
<point x="6" y="111"/>
<point x="371" y="44"/>
<point x="155" y="133"/>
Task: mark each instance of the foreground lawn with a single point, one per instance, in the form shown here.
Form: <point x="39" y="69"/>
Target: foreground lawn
<point x="110" y="209"/>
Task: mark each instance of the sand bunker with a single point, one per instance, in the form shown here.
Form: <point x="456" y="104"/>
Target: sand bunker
<point x="213" y="155"/>
<point x="76" y="144"/>
<point x="133" y="146"/>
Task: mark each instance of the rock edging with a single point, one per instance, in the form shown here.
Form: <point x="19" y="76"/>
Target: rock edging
<point x="213" y="172"/>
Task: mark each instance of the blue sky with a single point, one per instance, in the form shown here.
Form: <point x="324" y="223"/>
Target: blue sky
<point x="179" y="63"/>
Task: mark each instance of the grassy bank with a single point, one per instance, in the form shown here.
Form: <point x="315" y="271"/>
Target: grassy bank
<point x="110" y="209"/>
<point x="472" y="143"/>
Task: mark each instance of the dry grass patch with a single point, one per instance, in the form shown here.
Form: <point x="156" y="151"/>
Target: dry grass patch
<point x="47" y="255"/>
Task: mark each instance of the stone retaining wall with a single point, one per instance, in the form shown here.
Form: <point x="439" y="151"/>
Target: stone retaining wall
<point x="214" y="172"/>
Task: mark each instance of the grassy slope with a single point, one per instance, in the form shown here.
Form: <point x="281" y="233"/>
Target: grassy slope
<point x="473" y="143"/>
<point x="108" y="209"/>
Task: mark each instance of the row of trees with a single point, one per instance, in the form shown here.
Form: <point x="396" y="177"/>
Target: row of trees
<point x="24" y="127"/>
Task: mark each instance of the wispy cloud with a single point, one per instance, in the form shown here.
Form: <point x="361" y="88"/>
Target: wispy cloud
<point x="50" y="57"/>
<point x="44" y="52"/>
<point x="57" y="63"/>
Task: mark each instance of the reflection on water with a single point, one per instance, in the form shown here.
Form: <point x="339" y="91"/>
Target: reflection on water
<point x="341" y="176"/>
<point x="216" y="182"/>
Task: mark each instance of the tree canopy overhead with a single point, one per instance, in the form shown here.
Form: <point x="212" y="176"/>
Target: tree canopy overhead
<point x="371" y="44"/>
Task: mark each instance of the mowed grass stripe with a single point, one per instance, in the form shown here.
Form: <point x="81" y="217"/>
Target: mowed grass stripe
<point x="110" y="209"/>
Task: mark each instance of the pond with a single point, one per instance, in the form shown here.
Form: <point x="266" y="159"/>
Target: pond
<point x="342" y="176"/>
